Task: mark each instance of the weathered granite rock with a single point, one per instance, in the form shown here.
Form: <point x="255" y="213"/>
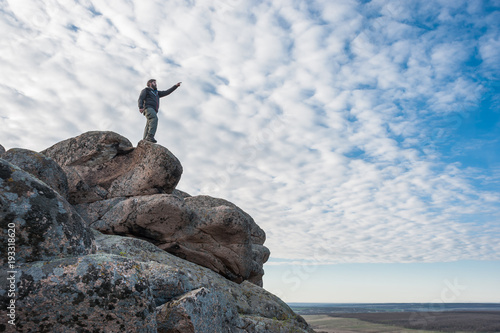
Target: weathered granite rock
<point x="199" y="310"/>
<point x="94" y="293"/>
<point x="211" y="232"/>
<point x="130" y="285"/>
<point x="2" y="150"/>
<point x="90" y="148"/>
<point x="236" y="237"/>
<point x="40" y="166"/>
<point x="45" y="225"/>
<point x="180" y="287"/>
<point x="228" y="215"/>
<point x="180" y="194"/>
<point x="104" y="165"/>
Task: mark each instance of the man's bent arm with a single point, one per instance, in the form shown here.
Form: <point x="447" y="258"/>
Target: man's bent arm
<point x="142" y="97"/>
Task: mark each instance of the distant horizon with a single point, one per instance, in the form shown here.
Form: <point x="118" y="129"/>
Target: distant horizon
<point x="308" y="308"/>
<point x="391" y="303"/>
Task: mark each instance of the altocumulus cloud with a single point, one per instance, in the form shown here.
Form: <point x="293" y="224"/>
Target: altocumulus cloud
<point x="322" y="119"/>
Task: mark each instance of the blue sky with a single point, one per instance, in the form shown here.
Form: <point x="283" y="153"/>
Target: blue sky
<point x="362" y="136"/>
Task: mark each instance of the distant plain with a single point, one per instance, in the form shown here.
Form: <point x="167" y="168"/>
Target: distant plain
<point x="328" y="324"/>
<point x="401" y="318"/>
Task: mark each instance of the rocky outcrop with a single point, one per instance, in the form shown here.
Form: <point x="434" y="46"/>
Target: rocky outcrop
<point x="104" y="165"/>
<point x="46" y="226"/>
<point x="123" y="190"/>
<point x="2" y="150"/>
<point x="211" y="232"/>
<point x="40" y="166"/>
<point x="69" y="277"/>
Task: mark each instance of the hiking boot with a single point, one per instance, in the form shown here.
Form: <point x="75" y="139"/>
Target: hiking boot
<point x="151" y="140"/>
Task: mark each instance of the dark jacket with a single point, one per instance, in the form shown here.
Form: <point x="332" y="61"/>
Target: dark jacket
<point x="150" y="98"/>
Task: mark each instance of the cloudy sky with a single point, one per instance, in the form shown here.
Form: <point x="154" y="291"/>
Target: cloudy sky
<point x="362" y="136"/>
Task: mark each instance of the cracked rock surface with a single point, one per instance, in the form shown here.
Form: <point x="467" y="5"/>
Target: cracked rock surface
<point x="211" y="232"/>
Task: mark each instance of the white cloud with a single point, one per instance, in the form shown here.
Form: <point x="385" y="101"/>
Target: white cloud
<point x="317" y="119"/>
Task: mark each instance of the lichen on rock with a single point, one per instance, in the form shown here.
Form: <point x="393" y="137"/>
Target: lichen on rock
<point x="46" y="225"/>
<point x="94" y="293"/>
<point x="40" y="166"/>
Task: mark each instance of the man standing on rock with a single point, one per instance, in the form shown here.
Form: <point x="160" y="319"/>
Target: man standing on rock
<point x="149" y="102"/>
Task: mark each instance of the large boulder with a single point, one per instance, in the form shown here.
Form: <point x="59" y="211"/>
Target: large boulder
<point x="211" y="232"/>
<point x="40" y="166"/>
<point x="104" y="165"/>
<point x="2" y="150"/>
<point x="90" y="148"/>
<point x="44" y="225"/>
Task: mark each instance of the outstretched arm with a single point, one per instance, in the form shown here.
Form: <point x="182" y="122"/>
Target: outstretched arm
<point x="169" y="91"/>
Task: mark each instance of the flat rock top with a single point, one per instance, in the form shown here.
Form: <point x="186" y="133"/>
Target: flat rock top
<point x="90" y="148"/>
